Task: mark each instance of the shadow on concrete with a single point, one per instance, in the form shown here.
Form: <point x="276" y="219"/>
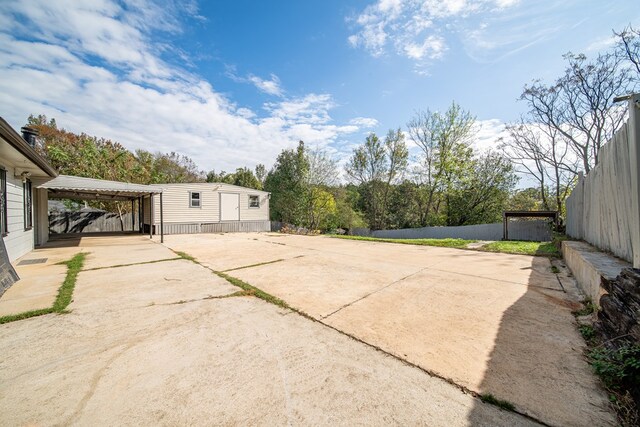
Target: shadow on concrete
<point x="74" y="239"/>
<point x="537" y="362"/>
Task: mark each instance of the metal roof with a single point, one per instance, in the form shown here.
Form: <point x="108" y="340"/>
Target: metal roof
<point x="215" y="185"/>
<point x="75" y="187"/>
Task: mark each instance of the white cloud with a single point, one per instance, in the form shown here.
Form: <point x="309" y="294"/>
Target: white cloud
<point x="93" y="65"/>
<point x="271" y="86"/>
<point x="418" y="29"/>
<point x="433" y="47"/>
<point x="487" y="135"/>
<point x="364" y="122"/>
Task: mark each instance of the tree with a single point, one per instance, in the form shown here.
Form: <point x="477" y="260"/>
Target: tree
<point x="346" y="216"/>
<point x="261" y="173"/>
<point x="92" y="157"/>
<point x="173" y="168"/>
<point x="543" y="154"/>
<point x="374" y="166"/>
<point x="322" y="206"/>
<point x="528" y="199"/>
<point x="444" y="140"/>
<point x="212" y="176"/>
<point x="579" y="105"/>
<point x="628" y="48"/>
<point x="287" y="182"/>
<point x="244" y="177"/>
<point x="482" y="195"/>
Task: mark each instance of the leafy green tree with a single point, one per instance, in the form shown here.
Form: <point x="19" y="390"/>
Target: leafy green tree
<point x="287" y="183"/>
<point x="444" y="139"/>
<point x="346" y="216"/>
<point x="244" y="177"/>
<point x="375" y="166"/>
<point x="261" y="174"/>
<point x="322" y="208"/>
<point x="482" y="195"/>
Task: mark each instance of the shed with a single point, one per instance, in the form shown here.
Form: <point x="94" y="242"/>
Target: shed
<point x="209" y="208"/>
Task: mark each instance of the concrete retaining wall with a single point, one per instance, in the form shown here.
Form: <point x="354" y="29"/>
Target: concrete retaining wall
<point x="589" y="266"/>
<point x="538" y="230"/>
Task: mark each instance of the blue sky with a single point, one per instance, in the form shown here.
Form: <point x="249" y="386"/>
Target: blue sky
<point x="231" y="83"/>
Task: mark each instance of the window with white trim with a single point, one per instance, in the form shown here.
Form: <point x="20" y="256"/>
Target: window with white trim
<point x="254" y="201"/>
<point x="195" y="199"/>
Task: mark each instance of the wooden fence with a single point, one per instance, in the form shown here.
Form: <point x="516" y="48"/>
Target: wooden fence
<point x="90" y="222"/>
<point x="604" y="207"/>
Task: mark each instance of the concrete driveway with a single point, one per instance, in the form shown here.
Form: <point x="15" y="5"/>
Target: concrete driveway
<point x="167" y="342"/>
<point x="490" y="323"/>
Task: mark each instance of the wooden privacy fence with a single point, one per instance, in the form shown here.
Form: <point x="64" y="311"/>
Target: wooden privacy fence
<point x="90" y="222"/>
<point x="604" y="207"/>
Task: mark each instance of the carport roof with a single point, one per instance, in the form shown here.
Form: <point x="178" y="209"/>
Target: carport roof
<point x="75" y="187"/>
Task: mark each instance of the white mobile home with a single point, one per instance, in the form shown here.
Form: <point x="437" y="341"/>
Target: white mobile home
<point x="20" y="166"/>
<point x="207" y="208"/>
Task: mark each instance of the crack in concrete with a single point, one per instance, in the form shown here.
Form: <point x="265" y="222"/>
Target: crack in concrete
<point x="374" y="292"/>
<point x="209" y="297"/>
<point x="127" y="265"/>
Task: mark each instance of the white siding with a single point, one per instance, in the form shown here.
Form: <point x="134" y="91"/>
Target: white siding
<point x="254" y="214"/>
<point x="18" y="240"/>
<point x="177" y="210"/>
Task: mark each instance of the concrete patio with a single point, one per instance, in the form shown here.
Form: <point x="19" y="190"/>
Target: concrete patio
<point x="166" y="341"/>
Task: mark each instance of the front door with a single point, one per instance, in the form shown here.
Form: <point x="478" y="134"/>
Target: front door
<point x="229" y="207"/>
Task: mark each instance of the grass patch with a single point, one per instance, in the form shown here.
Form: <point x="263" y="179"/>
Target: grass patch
<point x="65" y="292"/>
<point x="252" y="290"/>
<point x="247" y="289"/>
<point x="548" y="249"/>
<point x="491" y="399"/>
<point x="619" y="370"/>
<point x="555" y="270"/>
<point x="587" y="332"/>
<point x="588" y="307"/>
<point x="186" y="256"/>
<point x="444" y="243"/>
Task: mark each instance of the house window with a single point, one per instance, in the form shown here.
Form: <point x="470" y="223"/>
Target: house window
<point x="194" y="199"/>
<point x="254" y="201"/>
<point x="3" y="202"/>
<point x="28" y="205"/>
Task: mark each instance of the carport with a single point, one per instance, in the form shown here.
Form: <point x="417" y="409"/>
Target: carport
<point x="79" y="188"/>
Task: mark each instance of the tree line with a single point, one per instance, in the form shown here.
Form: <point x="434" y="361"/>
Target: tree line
<point x="569" y="120"/>
<point x="448" y="183"/>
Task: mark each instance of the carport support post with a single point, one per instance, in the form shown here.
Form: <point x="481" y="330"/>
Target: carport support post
<point x="505" y="227"/>
<point x="151" y="216"/>
<point x="140" y="215"/>
<point x="133" y="214"/>
<point x="161" y="222"/>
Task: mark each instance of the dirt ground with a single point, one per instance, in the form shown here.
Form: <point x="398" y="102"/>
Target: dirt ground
<point x="170" y="343"/>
